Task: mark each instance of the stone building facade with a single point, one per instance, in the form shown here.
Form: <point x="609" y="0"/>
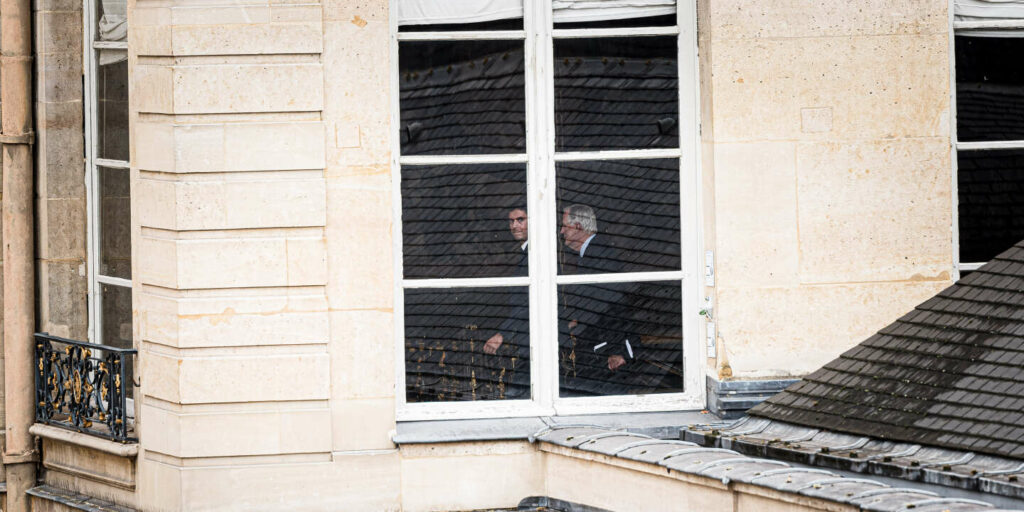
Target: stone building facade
<point x="249" y="248"/>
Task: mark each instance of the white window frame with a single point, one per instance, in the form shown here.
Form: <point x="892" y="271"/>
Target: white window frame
<point x="540" y="158"/>
<point x="96" y="279"/>
<point x="956" y="146"/>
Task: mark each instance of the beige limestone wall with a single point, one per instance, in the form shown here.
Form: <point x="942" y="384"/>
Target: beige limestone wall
<point x="263" y="256"/>
<point x="60" y="171"/>
<point x="831" y="184"/>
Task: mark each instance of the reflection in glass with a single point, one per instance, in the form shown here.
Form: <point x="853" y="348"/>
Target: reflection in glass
<point x="117" y="321"/>
<point x="990" y="191"/>
<point x="616" y="93"/>
<point x="989" y="88"/>
<point x="112" y="109"/>
<point x="633" y="206"/>
<point x="451" y="349"/>
<point x="622" y="338"/>
<point x="456" y="220"/>
<point x="115" y="223"/>
<point x="462" y="97"/>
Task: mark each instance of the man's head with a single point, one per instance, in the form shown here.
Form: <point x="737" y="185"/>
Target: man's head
<point x="578" y="224"/>
<point x="517" y="224"/>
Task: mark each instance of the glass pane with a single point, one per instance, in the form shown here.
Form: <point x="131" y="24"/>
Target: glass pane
<point x="115" y="223"/>
<point x="989" y="88"/>
<point x="990" y="188"/>
<point x="112" y="20"/>
<point x="616" y="93"/>
<point x="466" y="344"/>
<point x="117" y="323"/>
<point x="464" y="221"/>
<point x="619" y="339"/>
<point x="112" y="105"/>
<point x="619" y="216"/>
<point x="564" y="19"/>
<point x="462" y="97"/>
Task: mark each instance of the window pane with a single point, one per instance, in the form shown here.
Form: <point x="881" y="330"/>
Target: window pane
<point x="464" y="221"/>
<point x="623" y="215"/>
<point x="112" y="105"/>
<point x="117" y="322"/>
<point x="452" y="349"/>
<point x="616" y="93"/>
<point x="115" y="223"/>
<point x="989" y="88"/>
<point x="617" y="339"/>
<point x="990" y="189"/>
<point x="462" y="97"/>
<point x="111" y="20"/>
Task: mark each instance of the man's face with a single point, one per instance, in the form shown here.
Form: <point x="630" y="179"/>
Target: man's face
<point x="572" y="234"/>
<point x="517" y="224"/>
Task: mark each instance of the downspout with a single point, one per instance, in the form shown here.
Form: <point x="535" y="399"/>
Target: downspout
<point x="16" y="139"/>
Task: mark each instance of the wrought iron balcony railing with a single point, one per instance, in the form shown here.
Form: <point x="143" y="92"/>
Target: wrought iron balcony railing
<point x="83" y="386"/>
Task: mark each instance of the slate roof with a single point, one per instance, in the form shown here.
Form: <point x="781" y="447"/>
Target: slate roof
<point x="948" y="374"/>
<point x="729" y="466"/>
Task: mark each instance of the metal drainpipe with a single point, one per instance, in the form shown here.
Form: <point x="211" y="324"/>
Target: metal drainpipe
<point x="16" y="139"/>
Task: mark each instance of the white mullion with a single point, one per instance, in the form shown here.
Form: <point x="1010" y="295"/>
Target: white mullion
<point x="690" y="207"/>
<point x="520" y="158"/>
<point x="993" y="144"/>
<point x="624" y="277"/>
<point x="95" y="292"/>
<point x="114" y="281"/>
<point x="627" y="154"/>
<point x="471" y="282"/>
<point x="543" y="255"/>
<point x="467" y="35"/>
<point x="580" y="33"/>
<point x="396" y="213"/>
<point x="113" y="164"/>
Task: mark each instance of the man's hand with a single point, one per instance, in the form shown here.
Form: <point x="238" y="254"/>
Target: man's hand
<point x="494" y="342"/>
<point x="614" y="362"/>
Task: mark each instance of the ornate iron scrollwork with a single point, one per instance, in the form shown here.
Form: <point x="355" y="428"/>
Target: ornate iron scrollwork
<point x="82" y="386"/>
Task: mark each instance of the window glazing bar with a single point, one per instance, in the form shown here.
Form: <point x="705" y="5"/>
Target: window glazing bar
<point x="114" y="281"/>
<point x="631" y="154"/>
<point x="114" y="164"/>
<point x="463" y="159"/>
<point x="624" y="277"/>
<point x="578" y="33"/>
<point x="473" y="282"/>
<point x="988" y="24"/>
<point x="110" y="45"/>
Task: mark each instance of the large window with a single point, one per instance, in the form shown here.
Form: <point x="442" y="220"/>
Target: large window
<point x="546" y="154"/>
<point x="107" y="173"/>
<point x="989" y="135"/>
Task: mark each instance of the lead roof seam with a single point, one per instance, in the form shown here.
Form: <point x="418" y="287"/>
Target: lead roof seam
<point x="1011" y="471"/>
<point x="652" y="441"/>
<point x="698" y="449"/>
<point x="890" y="490"/>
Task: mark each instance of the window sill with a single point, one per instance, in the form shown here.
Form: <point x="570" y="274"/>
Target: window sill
<point x="129" y="450"/>
<point x="661" y="425"/>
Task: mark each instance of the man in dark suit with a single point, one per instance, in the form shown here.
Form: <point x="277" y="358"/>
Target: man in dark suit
<point x="513" y="333"/>
<point x="592" y="344"/>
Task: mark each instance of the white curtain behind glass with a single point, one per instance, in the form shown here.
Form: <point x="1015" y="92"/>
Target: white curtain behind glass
<point x="113" y="26"/>
<point x="436" y="12"/>
<point x="989" y="10"/>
